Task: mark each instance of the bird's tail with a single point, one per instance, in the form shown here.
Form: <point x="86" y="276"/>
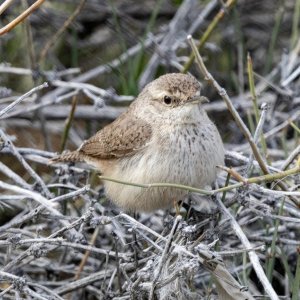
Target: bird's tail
<point x="68" y="156"/>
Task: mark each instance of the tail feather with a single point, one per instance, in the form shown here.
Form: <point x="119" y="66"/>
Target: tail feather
<point x="69" y="156"/>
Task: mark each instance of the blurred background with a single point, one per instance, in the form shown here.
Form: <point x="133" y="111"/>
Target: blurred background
<point x="96" y="56"/>
<point x="134" y="42"/>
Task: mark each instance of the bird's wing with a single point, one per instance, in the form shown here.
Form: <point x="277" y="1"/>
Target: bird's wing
<point x="123" y="137"/>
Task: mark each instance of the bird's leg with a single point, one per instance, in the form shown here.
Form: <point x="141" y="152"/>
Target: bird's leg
<point x="135" y="245"/>
<point x="176" y="207"/>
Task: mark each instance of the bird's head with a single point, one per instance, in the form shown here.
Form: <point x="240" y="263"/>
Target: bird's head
<point x="173" y="95"/>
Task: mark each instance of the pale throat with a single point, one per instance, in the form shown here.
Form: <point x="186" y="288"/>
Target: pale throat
<point x="187" y="114"/>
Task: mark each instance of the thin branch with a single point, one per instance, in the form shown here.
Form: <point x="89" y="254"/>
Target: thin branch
<point x="57" y="35"/>
<point x="164" y="256"/>
<point x="204" y="37"/>
<point x="15" y="177"/>
<point x="26" y="166"/>
<point x="23" y="97"/>
<point x="21" y="17"/>
<point x="5" y="5"/>
<point x="291" y="158"/>
<point x="252" y="255"/>
<point x="252" y="180"/>
<point x="222" y="92"/>
<point x="257" y="134"/>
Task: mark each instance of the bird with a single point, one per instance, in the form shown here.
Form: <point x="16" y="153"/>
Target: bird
<point x="165" y="136"/>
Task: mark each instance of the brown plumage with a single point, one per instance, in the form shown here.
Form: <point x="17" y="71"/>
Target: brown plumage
<point x="165" y="136"/>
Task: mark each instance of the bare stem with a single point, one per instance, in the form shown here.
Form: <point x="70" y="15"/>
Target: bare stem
<point x="252" y="255"/>
<point x="222" y="92"/>
<point x="218" y="17"/>
<point x="16" y="102"/>
<point x="253" y="180"/>
<point x="21" y="17"/>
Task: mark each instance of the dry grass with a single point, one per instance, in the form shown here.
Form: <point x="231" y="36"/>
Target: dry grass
<point x="60" y="238"/>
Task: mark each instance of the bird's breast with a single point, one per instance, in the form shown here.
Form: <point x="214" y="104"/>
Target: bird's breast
<point x="187" y="153"/>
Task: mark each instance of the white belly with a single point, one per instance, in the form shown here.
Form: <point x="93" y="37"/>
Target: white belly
<point x="183" y="155"/>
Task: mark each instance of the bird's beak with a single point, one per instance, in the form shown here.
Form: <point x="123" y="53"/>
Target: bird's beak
<point x="198" y="100"/>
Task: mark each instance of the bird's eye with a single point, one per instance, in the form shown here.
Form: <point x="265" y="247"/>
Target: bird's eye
<point x="167" y="100"/>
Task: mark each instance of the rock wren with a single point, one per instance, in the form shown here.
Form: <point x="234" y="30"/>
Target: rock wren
<point x="164" y="136"/>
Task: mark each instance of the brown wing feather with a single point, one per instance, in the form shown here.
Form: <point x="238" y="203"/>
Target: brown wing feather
<point x="121" y="138"/>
